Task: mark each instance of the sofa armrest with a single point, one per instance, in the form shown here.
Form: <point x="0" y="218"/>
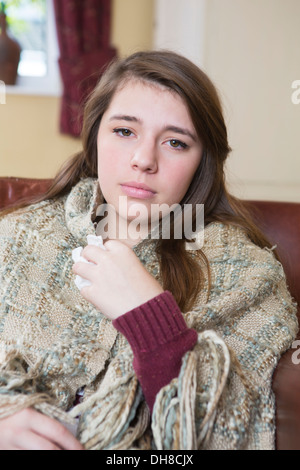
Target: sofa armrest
<point x="13" y="190"/>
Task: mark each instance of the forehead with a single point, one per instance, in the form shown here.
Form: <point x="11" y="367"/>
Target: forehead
<point x="130" y="80"/>
<point x="136" y="94"/>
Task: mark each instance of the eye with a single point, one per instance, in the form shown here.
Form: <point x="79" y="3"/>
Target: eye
<point x="123" y="132"/>
<point x="177" y="144"/>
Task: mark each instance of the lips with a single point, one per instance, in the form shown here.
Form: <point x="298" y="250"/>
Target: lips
<point x="138" y="190"/>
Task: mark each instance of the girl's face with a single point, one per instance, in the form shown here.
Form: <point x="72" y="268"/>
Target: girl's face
<point x="148" y="149"/>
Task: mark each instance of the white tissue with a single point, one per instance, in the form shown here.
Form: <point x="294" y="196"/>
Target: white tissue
<point x="95" y="240"/>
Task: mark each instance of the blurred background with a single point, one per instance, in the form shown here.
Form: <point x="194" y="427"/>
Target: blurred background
<point x="249" y="48"/>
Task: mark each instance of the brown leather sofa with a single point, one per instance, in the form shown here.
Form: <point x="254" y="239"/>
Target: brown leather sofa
<point x="280" y="221"/>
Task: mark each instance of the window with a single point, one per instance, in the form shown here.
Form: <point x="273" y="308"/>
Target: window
<point x="28" y="23"/>
<point x="32" y="24"/>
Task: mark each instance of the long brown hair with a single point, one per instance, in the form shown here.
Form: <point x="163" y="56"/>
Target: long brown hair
<point x="180" y="270"/>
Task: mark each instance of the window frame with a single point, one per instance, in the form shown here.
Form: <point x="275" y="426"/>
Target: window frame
<point x="50" y="84"/>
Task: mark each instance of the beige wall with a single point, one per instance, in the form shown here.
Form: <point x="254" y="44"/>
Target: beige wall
<point x="251" y="50"/>
<point x="30" y="142"/>
<point x="132" y="25"/>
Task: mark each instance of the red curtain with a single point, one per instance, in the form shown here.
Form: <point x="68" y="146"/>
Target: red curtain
<point x="83" y="30"/>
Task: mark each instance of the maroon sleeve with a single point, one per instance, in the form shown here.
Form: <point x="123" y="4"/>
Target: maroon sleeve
<point x="159" y="337"/>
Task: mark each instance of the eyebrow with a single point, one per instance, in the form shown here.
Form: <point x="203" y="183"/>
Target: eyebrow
<point x="178" y="130"/>
<point x="124" y="117"/>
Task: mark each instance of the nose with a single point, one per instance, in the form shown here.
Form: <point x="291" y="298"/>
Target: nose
<point x="144" y="157"/>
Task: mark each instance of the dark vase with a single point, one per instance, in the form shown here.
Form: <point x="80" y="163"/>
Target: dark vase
<point x="10" y="51"/>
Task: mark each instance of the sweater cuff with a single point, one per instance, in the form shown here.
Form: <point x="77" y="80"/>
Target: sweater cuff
<point x="159" y="337"/>
<point x="152" y="324"/>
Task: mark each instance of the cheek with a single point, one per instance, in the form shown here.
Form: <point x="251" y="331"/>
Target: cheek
<point x="106" y="173"/>
<point x="108" y="163"/>
<point x="181" y="177"/>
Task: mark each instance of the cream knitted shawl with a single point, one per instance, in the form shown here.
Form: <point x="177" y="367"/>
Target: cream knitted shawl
<point x="53" y="342"/>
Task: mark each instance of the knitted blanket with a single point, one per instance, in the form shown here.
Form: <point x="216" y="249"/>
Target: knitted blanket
<point x="53" y="342"/>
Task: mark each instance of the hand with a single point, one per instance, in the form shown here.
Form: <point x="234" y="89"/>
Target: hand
<point x="30" y="430"/>
<point x="119" y="282"/>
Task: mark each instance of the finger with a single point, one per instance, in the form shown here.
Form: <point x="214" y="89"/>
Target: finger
<point x="53" y="431"/>
<point x="84" y="270"/>
<point x="93" y="254"/>
<point x="116" y="245"/>
<point x="28" y="440"/>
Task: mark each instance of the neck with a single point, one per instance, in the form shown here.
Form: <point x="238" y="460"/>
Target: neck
<point x="112" y="226"/>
